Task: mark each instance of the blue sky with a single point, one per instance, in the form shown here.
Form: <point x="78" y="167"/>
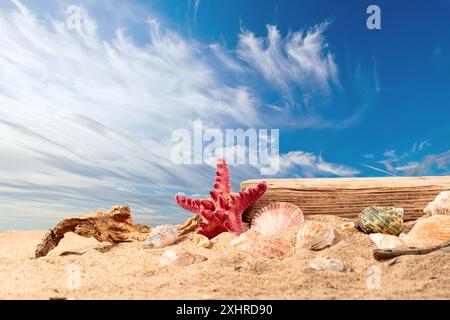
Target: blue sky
<point x="86" y="115"/>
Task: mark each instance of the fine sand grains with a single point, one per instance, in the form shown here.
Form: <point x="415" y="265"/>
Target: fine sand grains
<point x="82" y="268"/>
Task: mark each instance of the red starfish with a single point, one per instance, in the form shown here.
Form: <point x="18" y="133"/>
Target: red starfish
<point x="223" y="211"/>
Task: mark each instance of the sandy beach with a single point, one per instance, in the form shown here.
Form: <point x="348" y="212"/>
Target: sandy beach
<point x="127" y="271"/>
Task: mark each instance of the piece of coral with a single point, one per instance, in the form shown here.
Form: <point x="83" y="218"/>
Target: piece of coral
<point x="114" y="227"/>
<point x="189" y="225"/>
<point x="222" y="212"/>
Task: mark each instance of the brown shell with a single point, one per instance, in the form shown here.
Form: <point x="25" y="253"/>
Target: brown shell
<point x="381" y="220"/>
<point x="315" y="235"/>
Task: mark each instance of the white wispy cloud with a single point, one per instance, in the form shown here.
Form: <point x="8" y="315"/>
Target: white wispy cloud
<point x="300" y="59"/>
<point x="428" y="165"/>
<point x="415" y="162"/>
<point x="86" y="122"/>
<point x="311" y="165"/>
<point x="419" y="146"/>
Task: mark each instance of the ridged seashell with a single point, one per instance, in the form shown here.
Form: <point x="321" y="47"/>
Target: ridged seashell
<point x="440" y="205"/>
<point x="315" y="235"/>
<point x="239" y="240"/>
<point x="348" y="226"/>
<point x="276" y="218"/>
<point x="386" y="241"/>
<point x="162" y="236"/>
<point x="178" y="257"/>
<point x="202" y="241"/>
<point x="381" y="220"/>
<point x="430" y="231"/>
<point x="268" y="247"/>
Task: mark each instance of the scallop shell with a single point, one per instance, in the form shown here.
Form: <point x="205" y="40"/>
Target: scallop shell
<point x="172" y="257"/>
<point x="386" y="241"/>
<point x="440" y="205"/>
<point x="430" y="231"/>
<point x="268" y="247"/>
<point x="162" y="236"/>
<point x="315" y="235"/>
<point x="381" y="220"/>
<point x="276" y="218"/>
<point x="202" y="241"/>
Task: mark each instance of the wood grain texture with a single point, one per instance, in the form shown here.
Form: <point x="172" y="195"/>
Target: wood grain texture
<point x="384" y="254"/>
<point x="346" y="197"/>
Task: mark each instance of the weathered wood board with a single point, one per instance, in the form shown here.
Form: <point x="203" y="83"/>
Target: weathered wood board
<point x="346" y="197"/>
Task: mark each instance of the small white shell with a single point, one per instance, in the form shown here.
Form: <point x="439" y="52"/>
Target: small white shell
<point x="315" y="235"/>
<point x="348" y="226"/>
<point x="202" y="241"/>
<point x="162" y="236"/>
<point x="178" y="257"/>
<point x="322" y="263"/>
<point x="276" y="218"/>
<point x="386" y="241"/>
<point x="239" y="240"/>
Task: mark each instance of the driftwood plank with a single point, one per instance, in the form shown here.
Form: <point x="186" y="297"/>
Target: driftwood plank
<point x="346" y="197"/>
<point x="384" y="254"/>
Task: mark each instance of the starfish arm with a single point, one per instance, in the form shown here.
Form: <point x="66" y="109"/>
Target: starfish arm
<point x="222" y="177"/>
<point x="207" y="215"/>
<point x="189" y="204"/>
<point x="230" y="216"/>
<point x="248" y="197"/>
<point x="211" y="225"/>
<point x="234" y="224"/>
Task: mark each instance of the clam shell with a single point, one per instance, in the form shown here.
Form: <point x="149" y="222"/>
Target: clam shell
<point x="381" y="220"/>
<point x="202" y="241"/>
<point x="276" y="218"/>
<point x="386" y="241"/>
<point x="173" y="257"/>
<point x="270" y="247"/>
<point x="440" y="205"/>
<point x="315" y="235"/>
<point x="162" y="236"/>
<point x="430" y="231"/>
